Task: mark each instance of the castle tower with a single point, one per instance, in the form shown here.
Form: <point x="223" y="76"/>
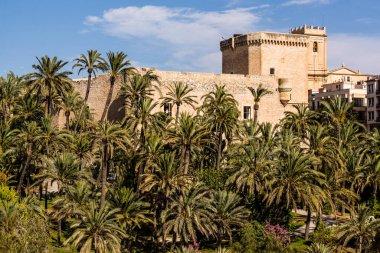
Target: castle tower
<point x="316" y="54"/>
<point x="283" y="56"/>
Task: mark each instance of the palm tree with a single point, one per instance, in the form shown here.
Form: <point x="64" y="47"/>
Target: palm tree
<point x="68" y="205"/>
<point x="220" y="109"/>
<point x="64" y="169"/>
<point x="294" y="182"/>
<point x="109" y="136"/>
<point x="70" y="103"/>
<point x="188" y="136"/>
<point x="10" y="90"/>
<point x="189" y="213"/>
<point x="301" y="120"/>
<point x="28" y="139"/>
<point x="117" y="64"/>
<point x="27" y="108"/>
<point x="336" y="111"/>
<point x="258" y="94"/>
<point x="164" y="180"/>
<point x="229" y="213"/>
<point x="179" y="94"/>
<point x="81" y="145"/>
<point x="134" y="211"/>
<point x="362" y="226"/>
<point x="92" y="62"/>
<point x="96" y="230"/>
<point x="134" y="91"/>
<point x="49" y="79"/>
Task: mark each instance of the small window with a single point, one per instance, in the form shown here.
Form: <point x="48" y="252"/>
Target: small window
<point x="168" y="108"/>
<point x="371" y="102"/>
<point x="315" y="47"/>
<point x="246" y="112"/>
<point x="371" y="115"/>
<point x="271" y="71"/>
<point x="348" y="79"/>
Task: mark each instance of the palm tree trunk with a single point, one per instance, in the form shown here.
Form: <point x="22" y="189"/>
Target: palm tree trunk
<point x="255" y="108"/>
<point x="104" y="175"/>
<point x="360" y="244"/>
<point x="26" y="166"/>
<point x="46" y="196"/>
<point x="187" y="161"/>
<point x="219" y="152"/>
<point x="307" y="227"/>
<point x="177" y="114"/>
<point x="67" y="115"/>
<point x="59" y="224"/>
<point x="85" y="100"/>
<point x="109" y="98"/>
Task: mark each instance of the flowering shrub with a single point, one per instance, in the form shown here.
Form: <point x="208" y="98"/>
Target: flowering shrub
<point x="277" y="233"/>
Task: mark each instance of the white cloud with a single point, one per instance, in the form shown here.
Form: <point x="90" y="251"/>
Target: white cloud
<point x="305" y="2"/>
<point x="191" y="36"/>
<point x="355" y="51"/>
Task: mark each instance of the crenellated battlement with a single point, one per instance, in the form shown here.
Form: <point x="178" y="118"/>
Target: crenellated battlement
<point x="259" y="38"/>
<point x="309" y="30"/>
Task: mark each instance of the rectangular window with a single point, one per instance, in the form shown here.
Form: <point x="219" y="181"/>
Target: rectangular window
<point x="371" y="115"/>
<point x="246" y="112"/>
<point x="168" y="108"/>
<point x="358" y="102"/>
<point x="371" y="102"/>
<point x="271" y="71"/>
<point x="370" y="88"/>
<point x="348" y="79"/>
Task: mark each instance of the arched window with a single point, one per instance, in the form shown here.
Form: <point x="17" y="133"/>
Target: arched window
<point x="315" y="47"/>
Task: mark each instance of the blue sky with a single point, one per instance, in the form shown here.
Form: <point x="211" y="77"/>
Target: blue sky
<point x="178" y="35"/>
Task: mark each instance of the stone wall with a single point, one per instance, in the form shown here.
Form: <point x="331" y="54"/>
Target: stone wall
<point x="271" y="109"/>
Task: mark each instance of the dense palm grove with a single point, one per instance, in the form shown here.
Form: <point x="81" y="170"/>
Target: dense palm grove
<point x="188" y="183"/>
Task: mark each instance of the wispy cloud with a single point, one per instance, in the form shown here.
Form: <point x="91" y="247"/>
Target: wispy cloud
<point x="305" y="2"/>
<point x="356" y="52"/>
<point x="191" y="37"/>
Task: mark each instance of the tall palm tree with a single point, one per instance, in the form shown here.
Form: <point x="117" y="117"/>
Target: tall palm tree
<point x="258" y="94"/>
<point x="164" y="180"/>
<point x="362" y="226"/>
<point x="220" y="109"/>
<point x="179" y="94"/>
<point x="294" y="182"/>
<point x="229" y="213"/>
<point x="189" y="213"/>
<point x="188" y="136"/>
<point x="49" y="79"/>
<point x="109" y="136"/>
<point x="117" y="64"/>
<point x="28" y="138"/>
<point x="134" y="91"/>
<point x="92" y="62"/>
<point x="96" y="230"/>
<point x="71" y="101"/>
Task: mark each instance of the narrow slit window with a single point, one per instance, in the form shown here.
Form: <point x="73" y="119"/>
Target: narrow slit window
<point x="247" y="112"/>
<point x="315" y="47"/>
